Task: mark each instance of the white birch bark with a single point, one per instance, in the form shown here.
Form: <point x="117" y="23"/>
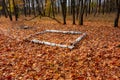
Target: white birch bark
<point x="64" y="32"/>
<point x="79" y="39"/>
<point x="51" y="44"/>
<point x="58" y="31"/>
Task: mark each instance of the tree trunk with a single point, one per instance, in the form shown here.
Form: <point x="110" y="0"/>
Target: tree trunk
<point x="53" y="11"/>
<point x="99" y="6"/>
<point x="77" y="9"/>
<point x="39" y="8"/>
<point x="73" y="10"/>
<point x="10" y="10"/>
<point x="29" y="7"/>
<point x="16" y="10"/>
<point x="5" y="11"/>
<point x="118" y="12"/>
<point x="64" y="9"/>
<point x="89" y="8"/>
<point x="103" y="7"/>
<point x="82" y="12"/>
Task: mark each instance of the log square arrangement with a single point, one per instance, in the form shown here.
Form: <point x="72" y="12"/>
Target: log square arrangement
<point x="64" y="39"/>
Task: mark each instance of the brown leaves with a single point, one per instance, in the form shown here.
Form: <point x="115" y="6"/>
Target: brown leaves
<point x="97" y="57"/>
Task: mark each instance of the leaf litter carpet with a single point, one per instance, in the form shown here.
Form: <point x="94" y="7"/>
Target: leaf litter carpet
<point x="97" y="57"/>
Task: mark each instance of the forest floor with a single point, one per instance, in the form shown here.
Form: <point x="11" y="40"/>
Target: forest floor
<point x="96" y="57"/>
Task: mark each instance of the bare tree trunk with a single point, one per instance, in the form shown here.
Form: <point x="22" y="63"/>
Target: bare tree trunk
<point x="64" y="9"/>
<point x="33" y="7"/>
<point x="58" y="3"/>
<point x="73" y="10"/>
<point x="77" y="9"/>
<point x="29" y="7"/>
<point x="49" y="10"/>
<point x="25" y="9"/>
<point x="82" y="12"/>
<point x="69" y="7"/>
<point x="53" y="11"/>
<point x="89" y="8"/>
<point x="99" y="6"/>
<point x="5" y="11"/>
<point x="39" y="8"/>
<point x="96" y="9"/>
<point x="16" y="10"/>
<point x="10" y="11"/>
<point x="118" y="12"/>
<point x="86" y="8"/>
<point x="103" y="7"/>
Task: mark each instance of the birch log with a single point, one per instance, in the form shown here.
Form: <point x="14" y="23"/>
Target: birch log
<point x="79" y="39"/>
<point x="64" y="32"/>
<point x="58" y="31"/>
<point x="51" y="44"/>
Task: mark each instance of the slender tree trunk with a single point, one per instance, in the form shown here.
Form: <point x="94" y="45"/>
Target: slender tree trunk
<point x="103" y="7"/>
<point x="0" y="13"/>
<point x="39" y="8"/>
<point x="82" y="12"/>
<point x="96" y="9"/>
<point x="77" y="9"/>
<point x="64" y="9"/>
<point x="53" y="11"/>
<point x="73" y="10"/>
<point x="33" y="7"/>
<point x="49" y="10"/>
<point x="99" y="6"/>
<point x="10" y="10"/>
<point x="29" y="7"/>
<point x="86" y="8"/>
<point x="25" y="10"/>
<point x="43" y="7"/>
<point x="16" y="10"/>
<point x="89" y="8"/>
<point x="118" y="12"/>
<point x="5" y="11"/>
<point x="58" y="2"/>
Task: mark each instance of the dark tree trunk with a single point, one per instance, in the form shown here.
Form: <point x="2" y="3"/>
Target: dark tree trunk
<point x="16" y="10"/>
<point x="73" y="10"/>
<point x="103" y="7"/>
<point x="77" y="9"/>
<point x="64" y="9"/>
<point x="86" y="8"/>
<point x="53" y="11"/>
<point x="33" y="7"/>
<point x="10" y="11"/>
<point x="49" y="11"/>
<point x="81" y="14"/>
<point x="96" y="8"/>
<point x="83" y="3"/>
<point x="29" y="7"/>
<point x="43" y="6"/>
<point x="39" y="8"/>
<point x="89" y="8"/>
<point x="118" y="12"/>
<point x="99" y="6"/>
<point x="25" y="9"/>
<point x="5" y="10"/>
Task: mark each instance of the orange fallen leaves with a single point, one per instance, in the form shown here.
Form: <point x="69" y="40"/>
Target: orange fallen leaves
<point x="96" y="57"/>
